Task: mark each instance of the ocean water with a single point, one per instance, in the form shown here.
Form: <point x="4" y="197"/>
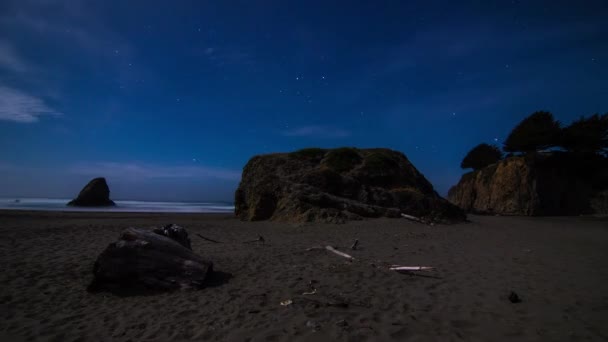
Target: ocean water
<point x="48" y="204"/>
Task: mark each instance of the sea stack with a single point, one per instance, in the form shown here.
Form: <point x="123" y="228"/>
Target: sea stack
<point x="336" y="185"/>
<point x="95" y="194"/>
<point x="537" y="184"/>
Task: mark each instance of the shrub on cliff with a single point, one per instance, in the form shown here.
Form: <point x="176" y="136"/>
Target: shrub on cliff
<point x="586" y="135"/>
<point x="481" y="156"/>
<point x="538" y="131"/>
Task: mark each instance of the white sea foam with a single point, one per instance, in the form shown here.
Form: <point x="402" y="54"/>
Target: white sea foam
<point x="49" y="204"/>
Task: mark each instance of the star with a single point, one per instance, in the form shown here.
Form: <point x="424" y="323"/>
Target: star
<point x="454" y="114"/>
<point x="297" y="78"/>
<point x="322" y="77"/>
<point x="496" y="139"/>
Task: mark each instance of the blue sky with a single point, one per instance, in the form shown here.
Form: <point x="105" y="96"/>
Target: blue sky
<point x="168" y="100"/>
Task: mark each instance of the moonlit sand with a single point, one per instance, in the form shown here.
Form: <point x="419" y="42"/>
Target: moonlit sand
<point x="557" y="266"/>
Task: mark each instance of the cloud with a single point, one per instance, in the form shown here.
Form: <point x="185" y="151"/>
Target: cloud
<point x="138" y="171"/>
<point x="317" y="132"/>
<point x="10" y="60"/>
<point x="21" y="107"/>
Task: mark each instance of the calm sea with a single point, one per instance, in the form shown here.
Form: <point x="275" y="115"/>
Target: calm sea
<point x="49" y="204"/>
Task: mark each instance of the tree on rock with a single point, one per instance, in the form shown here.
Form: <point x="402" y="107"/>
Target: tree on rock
<point x="481" y="156"/>
<point x="586" y="135"/>
<point x="536" y="132"/>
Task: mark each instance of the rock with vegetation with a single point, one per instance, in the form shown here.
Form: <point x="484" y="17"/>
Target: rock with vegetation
<point x="95" y="194"/>
<point x="538" y="131"/>
<point x="536" y="184"/>
<point x="144" y="259"/>
<point x="481" y="156"/>
<point x="335" y="185"/>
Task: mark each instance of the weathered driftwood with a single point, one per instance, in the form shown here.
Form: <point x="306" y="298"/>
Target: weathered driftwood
<point x="148" y="259"/>
<point x="331" y="249"/>
<point x="412" y="218"/>
<point x="342" y="254"/>
<point x="410" y="268"/>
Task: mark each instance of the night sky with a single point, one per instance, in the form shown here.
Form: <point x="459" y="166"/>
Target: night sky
<point x="169" y="99"/>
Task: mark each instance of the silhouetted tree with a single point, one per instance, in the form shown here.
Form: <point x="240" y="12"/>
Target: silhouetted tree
<point x="538" y="131"/>
<point x="481" y="156"/>
<point x="586" y="135"/>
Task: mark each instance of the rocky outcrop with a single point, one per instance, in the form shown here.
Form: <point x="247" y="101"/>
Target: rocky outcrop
<point x="335" y="185"/>
<point x="143" y="259"/>
<point x="95" y="194"/>
<point x="537" y="184"/>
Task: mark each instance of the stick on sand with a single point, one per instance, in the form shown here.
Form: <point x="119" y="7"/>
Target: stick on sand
<point x="410" y="268"/>
<point x="208" y="239"/>
<point x="342" y="254"/>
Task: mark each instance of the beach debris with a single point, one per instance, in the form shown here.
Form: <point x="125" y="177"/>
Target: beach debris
<point x="417" y="219"/>
<point x="286" y="302"/>
<point x="333" y="250"/>
<point x="399" y="268"/>
<point x="514" y="297"/>
<point x="310" y="293"/>
<point x="144" y="259"/>
<point x="342" y="254"/>
<point x="355" y="244"/>
<point x="208" y="239"/>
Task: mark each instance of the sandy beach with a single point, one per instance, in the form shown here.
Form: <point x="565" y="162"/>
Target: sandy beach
<point x="557" y="266"/>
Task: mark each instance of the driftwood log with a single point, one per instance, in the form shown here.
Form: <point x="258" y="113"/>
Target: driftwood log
<point x="159" y="259"/>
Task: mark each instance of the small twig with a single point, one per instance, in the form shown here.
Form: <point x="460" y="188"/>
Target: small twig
<point x="208" y="239"/>
<point x="410" y="268"/>
<point x="310" y="293"/>
<point x="342" y="254"/>
<point x="413" y="218"/>
<point x="354" y="246"/>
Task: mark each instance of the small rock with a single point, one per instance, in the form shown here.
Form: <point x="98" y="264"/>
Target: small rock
<point x="514" y="298"/>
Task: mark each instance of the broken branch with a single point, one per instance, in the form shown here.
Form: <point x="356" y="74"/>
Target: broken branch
<point x="208" y="239"/>
<point x="342" y="254"/>
<point x="410" y="268"/>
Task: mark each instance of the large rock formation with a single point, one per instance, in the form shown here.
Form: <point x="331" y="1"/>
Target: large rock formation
<point x="158" y="259"/>
<point x="537" y="184"/>
<point x="95" y="194"/>
<point x="337" y="184"/>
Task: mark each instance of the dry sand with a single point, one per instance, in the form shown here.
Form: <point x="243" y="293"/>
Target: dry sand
<point x="558" y="266"/>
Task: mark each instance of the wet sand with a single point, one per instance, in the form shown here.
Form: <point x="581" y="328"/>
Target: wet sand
<point x="558" y="266"/>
